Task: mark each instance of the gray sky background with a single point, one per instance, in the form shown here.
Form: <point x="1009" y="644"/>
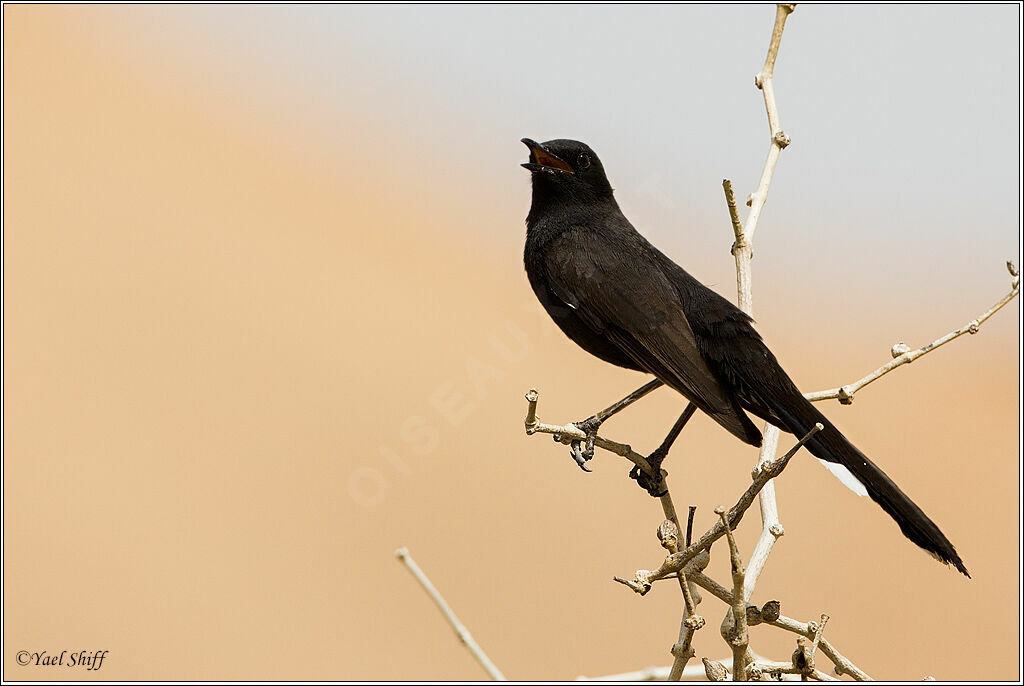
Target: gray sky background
<point x="905" y="119"/>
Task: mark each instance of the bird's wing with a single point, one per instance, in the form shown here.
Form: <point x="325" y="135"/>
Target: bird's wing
<point x="620" y="292"/>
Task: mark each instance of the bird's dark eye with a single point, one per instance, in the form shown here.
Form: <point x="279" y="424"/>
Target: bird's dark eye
<point x="583" y="160"/>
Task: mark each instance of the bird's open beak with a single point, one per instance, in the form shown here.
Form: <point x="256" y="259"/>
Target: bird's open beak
<point x="543" y="161"/>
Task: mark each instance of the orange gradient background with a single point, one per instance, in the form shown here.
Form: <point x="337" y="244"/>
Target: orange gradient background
<point x="246" y="360"/>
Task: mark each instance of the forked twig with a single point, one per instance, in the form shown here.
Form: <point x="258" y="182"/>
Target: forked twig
<point x="743" y="252"/>
<point x="674" y="562"/>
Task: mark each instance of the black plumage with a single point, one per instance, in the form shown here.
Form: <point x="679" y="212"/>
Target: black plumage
<point x="622" y="300"/>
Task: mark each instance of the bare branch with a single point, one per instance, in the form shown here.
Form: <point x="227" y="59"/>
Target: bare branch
<point x="460" y="630"/>
<point x="737" y="225"/>
<point x="760" y="669"/>
<point x="762" y="475"/>
<point x="689" y="524"/>
<point x="843" y="664"/>
<point x="739" y="639"/>
<point x="779" y="140"/>
<point x="903" y="356"/>
<point x="817" y="633"/>
<point x="569" y="432"/>
<point x="682" y="651"/>
<point x="691" y="673"/>
<point x="743" y="252"/>
<point x="771" y="528"/>
<point x="808" y="630"/>
<point x="667" y="506"/>
<point x="713" y="587"/>
<point x="648" y="674"/>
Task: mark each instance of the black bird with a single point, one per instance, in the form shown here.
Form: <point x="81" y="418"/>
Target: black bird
<point x="621" y="299"/>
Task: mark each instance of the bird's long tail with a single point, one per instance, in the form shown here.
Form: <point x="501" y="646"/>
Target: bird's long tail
<point x="799" y="416"/>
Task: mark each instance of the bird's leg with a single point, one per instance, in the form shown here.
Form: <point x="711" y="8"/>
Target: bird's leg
<point x="590" y="425"/>
<point x="656" y="487"/>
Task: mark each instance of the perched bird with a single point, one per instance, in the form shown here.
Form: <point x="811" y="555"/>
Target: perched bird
<point x="621" y="299"/>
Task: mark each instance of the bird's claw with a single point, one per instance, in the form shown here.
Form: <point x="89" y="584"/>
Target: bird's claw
<point x="657" y="457"/>
<point x="583" y="455"/>
<point x="580" y="456"/>
<point x="656" y="487"/>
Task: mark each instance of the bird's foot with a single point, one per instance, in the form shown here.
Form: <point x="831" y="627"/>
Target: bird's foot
<point x="657" y="457"/>
<point x="582" y="455"/>
<point x="656" y="487"/>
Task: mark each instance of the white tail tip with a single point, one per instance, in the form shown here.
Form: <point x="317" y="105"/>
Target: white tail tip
<point x="846" y="477"/>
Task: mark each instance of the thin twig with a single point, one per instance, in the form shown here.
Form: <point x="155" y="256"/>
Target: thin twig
<point x="779" y="140"/>
<point x="569" y="432"/>
<point x="460" y="630"/>
<point x="588" y="427"/>
<point x="817" y="633"/>
<point x="902" y="356"/>
<point x="711" y="586"/>
<point x="668" y="507"/>
<point x="765" y="668"/>
<point x="676" y="561"/>
<point x="842" y="663"/>
<point x="743" y="252"/>
<point x="734" y="214"/>
<point x="648" y="674"/>
<point x="689" y="524"/>
<point x="771" y="528"/>
<point x="739" y="639"/>
<point x="682" y="651"/>
<point x="743" y="249"/>
<point x="691" y="673"/>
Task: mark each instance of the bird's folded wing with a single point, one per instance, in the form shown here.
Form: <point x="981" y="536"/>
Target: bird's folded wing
<point x="622" y="294"/>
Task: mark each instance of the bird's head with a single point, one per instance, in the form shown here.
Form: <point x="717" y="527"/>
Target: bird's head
<point x="564" y="170"/>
